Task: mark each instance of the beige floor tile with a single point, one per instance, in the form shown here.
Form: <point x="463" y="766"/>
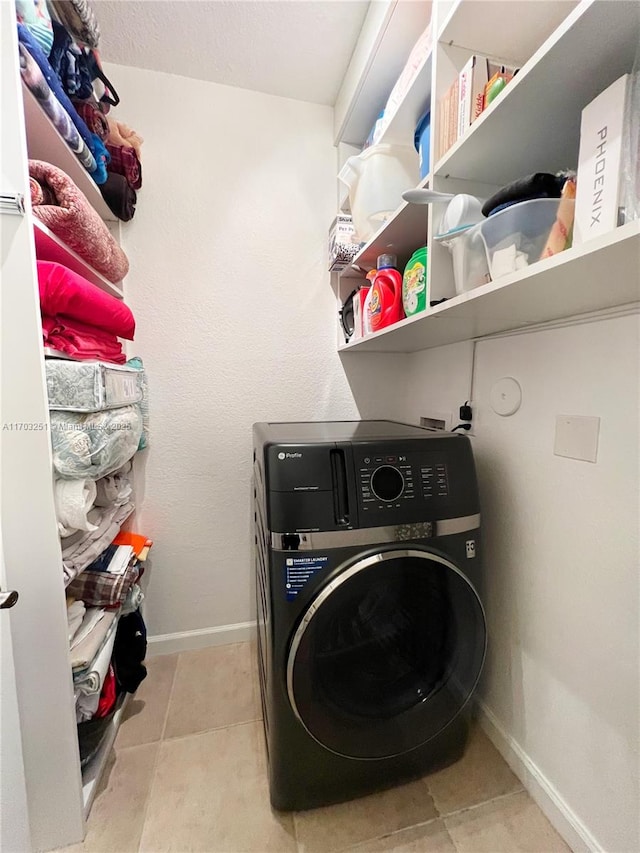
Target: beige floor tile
<point x="344" y="825"/>
<point x="147" y="710"/>
<point x="429" y="838"/>
<point x="480" y="775"/>
<point x="211" y="794"/>
<point x="117" y="816"/>
<point x="213" y="688"/>
<point x="512" y="824"/>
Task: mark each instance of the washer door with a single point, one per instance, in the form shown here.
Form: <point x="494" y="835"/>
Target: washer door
<point x="387" y="654"/>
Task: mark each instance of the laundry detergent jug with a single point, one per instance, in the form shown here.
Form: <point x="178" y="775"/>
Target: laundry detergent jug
<point x="385" y="297"/>
<point x="414" y="283"/>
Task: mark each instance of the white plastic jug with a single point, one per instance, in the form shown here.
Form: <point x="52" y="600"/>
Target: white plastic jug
<point x="376" y="179"/>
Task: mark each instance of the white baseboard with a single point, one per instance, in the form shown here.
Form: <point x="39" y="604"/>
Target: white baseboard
<point x="562" y="818"/>
<point x="183" y="641"/>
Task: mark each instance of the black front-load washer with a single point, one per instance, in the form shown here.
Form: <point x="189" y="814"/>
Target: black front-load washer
<point x="371" y="632"/>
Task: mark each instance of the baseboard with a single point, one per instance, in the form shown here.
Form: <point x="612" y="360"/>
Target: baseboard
<point x="562" y="818"/>
<point x="166" y="644"/>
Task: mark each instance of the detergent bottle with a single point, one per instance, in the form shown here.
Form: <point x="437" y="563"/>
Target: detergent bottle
<point x="385" y="297"/>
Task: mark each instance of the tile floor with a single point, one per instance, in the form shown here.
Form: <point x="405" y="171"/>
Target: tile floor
<point x="188" y="774"/>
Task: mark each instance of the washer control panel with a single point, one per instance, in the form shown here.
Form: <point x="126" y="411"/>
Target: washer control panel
<point x="391" y="481"/>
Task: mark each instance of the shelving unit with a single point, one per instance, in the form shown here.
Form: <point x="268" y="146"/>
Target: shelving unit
<point x="45" y="143"/>
<point x="587" y="278"/>
<point x="568" y="52"/>
<point x="49" y="247"/>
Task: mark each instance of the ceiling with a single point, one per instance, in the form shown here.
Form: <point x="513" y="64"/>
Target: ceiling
<point x="293" y="48"/>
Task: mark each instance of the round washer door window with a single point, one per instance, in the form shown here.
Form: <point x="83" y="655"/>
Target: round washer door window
<point x="387" y="654"/>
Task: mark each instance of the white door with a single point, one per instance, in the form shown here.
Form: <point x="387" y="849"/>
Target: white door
<point x="35" y="647"/>
<point x="14" y="820"/>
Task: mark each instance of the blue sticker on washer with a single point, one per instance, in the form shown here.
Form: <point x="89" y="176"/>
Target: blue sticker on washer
<point x="299" y="570"/>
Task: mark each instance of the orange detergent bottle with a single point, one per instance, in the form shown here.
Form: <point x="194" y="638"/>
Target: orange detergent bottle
<point x="385" y="300"/>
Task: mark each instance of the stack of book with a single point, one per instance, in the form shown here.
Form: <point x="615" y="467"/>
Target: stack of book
<point x="475" y="87"/>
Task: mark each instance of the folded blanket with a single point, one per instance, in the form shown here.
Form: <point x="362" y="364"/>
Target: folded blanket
<point x="93" y="117"/>
<point x="65" y="294"/>
<point x="35" y="17"/>
<point x="94" y="445"/>
<point x="81" y="341"/>
<point x="86" y="653"/>
<point x="93" y="143"/>
<point x="79" y="18"/>
<point x="121" y="134"/>
<point x="62" y="207"/>
<point x="124" y="161"/>
<point x="101" y="589"/>
<point x="74" y="499"/>
<point x="136" y="362"/>
<point x="60" y="119"/>
<point x="119" y="196"/>
<point x="83" y="551"/>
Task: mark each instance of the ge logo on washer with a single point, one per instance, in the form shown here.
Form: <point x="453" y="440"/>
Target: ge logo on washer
<point x="280" y="456"/>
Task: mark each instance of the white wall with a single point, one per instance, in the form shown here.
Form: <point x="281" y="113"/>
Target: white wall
<point x="561" y="559"/>
<point x="229" y="286"/>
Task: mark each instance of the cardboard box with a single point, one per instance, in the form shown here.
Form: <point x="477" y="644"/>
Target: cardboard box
<point x="599" y="163"/>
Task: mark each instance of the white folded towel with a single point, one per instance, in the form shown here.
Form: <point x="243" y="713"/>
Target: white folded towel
<point x="75" y="615"/>
<point x="74" y="499"/>
<point x="88" y="692"/>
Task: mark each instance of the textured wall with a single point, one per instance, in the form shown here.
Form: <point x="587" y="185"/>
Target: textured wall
<point x="561" y="558"/>
<point x="229" y="286"/>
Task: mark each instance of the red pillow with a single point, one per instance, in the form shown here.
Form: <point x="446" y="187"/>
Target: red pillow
<point x="64" y="293"/>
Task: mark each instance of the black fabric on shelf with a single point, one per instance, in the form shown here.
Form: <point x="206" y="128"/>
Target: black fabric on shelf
<point x="91" y="733"/>
<point x="538" y="185"/>
<point x="119" y="196"/>
<point x="129" y="650"/>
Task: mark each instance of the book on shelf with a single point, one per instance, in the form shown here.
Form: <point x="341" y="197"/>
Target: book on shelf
<point x="473" y="80"/>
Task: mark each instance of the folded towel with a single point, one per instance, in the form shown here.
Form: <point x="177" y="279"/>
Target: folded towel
<point x="59" y="117"/>
<point x="77" y="557"/>
<point x="102" y="589"/>
<point x="62" y="207"/>
<point x="124" y="161"/>
<point x="81" y="341"/>
<point x="120" y="197"/>
<point x="88" y="688"/>
<point x="65" y="294"/>
<point x="35" y="17"/>
<point x="74" y="499"/>
<point x="89" y="621"/>
<point x="93" y="143"/>
<point x="121" y="134"/>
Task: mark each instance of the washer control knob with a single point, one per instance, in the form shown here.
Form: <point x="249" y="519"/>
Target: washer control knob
<point x="387" y="483"/>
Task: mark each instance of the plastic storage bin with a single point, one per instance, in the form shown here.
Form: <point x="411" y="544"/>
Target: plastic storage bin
<point x="376" y="179"/>
<point x="523" y="233"/>
<point x="508" y="241"/>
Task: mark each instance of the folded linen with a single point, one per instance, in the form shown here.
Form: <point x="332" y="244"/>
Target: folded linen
<point x="86" y="652"/>
<point x="83" y="386"/>
<point x="88" y="688"/>
<point x="103" y="589"/>
<point x="75" y="615"/>
<point x="136" y="362"/>
<point x="81" y="553"/>
<point x="81" y="341"/>
<point x="93" y="142"/>
<point x="89" y="621"/>
<point x="64" y="293"/>
<point x="63" y="208"/>
<point x="124" y="161"/>
<point x="115" y="489"/>
<point x="73" y="500"/>
<point x="96" y="444"/>
<point x="119" y="196"/>
<point x="61" y="120"/>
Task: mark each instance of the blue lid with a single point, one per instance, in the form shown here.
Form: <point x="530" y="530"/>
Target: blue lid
<point x="424" y="122"/>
